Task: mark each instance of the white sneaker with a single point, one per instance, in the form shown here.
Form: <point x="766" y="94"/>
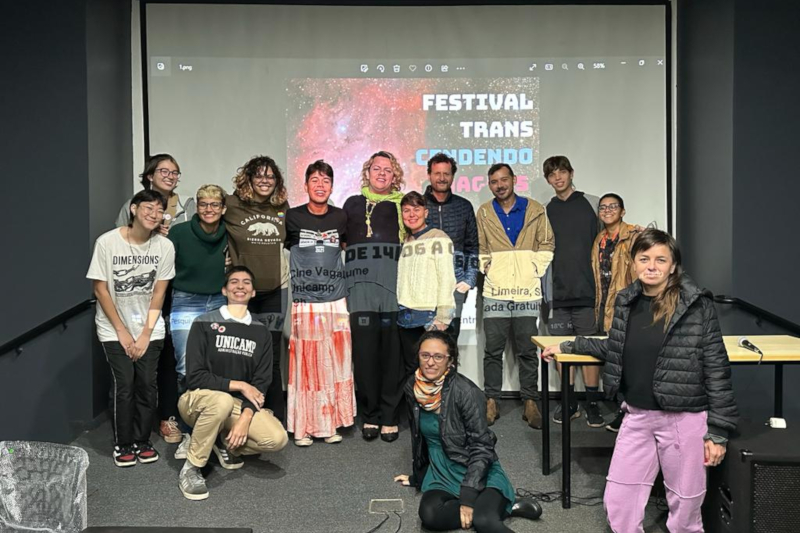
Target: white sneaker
<point x="183" y="447"/>
<point x="305" y="441"/>
<point x="333" y="439"/>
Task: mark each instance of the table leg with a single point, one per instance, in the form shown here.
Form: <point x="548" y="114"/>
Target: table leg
<point x="565" y="438"/>
<point x="545" y="375"/>
<point x="778" y="390"/>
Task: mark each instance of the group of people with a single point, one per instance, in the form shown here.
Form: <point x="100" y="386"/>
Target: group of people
<point x="377" y="290"/>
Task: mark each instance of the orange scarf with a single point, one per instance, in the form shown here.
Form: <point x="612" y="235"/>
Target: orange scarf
<point x="428" y="393"/>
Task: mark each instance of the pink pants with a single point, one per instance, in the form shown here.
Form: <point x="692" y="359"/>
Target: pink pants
<point x="648" y="440"/>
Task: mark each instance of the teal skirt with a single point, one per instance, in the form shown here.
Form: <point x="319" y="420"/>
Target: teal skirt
<point x="447" y="475"/>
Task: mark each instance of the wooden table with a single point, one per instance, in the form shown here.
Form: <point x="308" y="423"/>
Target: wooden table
<point x="778" y="351"/>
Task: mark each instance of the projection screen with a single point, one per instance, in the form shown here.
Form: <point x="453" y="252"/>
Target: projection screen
<point x="486" y="84"/>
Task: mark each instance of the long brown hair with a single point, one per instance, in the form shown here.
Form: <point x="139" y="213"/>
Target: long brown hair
<point x="664" y="304"/>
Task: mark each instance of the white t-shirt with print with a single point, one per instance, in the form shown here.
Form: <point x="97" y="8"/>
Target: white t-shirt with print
<point x="131" y="272"/>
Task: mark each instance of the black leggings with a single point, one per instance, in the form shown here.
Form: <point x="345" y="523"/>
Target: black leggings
<point x="441" y="511"/>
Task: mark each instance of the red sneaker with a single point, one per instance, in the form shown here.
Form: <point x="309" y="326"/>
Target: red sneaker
<point x="124" y="456"/>
<point x="145" y="452"/>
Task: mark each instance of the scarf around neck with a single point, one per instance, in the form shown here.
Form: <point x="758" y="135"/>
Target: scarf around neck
<point x="374" y="199"/>
<point x="428" y="393"/>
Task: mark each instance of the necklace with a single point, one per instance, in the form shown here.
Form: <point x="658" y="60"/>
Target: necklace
<point x="370" y="207"/>
<point x="133" y="254"/>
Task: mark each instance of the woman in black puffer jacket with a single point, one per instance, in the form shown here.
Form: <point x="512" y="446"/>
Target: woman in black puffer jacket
<point x="455" y="464"/>
<point x="665" y="354"/>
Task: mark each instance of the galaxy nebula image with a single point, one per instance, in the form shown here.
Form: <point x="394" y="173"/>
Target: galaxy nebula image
<point x="345" y="120"/>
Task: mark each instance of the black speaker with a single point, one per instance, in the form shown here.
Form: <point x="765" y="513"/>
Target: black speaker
<point x="756" y="489"/>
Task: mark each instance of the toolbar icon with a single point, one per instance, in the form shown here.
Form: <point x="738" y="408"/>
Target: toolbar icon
<point x="381" y="69"/>
<point x="581" y="66"/>
<point x="396" y="68"/>
<point x="428" y="68"/>
<point x="532" y="67"/>
<point x="364" y="68"/>
<point x="548" y="66"/>
<point x="445" y="68"/>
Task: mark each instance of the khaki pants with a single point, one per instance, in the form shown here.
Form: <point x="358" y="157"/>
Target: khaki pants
<point x="211" y="412"/>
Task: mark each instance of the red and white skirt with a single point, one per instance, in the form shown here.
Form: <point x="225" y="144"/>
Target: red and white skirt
<point x="321" y="395"/>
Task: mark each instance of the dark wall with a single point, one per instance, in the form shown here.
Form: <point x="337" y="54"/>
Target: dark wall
<point x="738" y="117"/>
<point x="66" y="125"/>
<point x="766" y="184"/>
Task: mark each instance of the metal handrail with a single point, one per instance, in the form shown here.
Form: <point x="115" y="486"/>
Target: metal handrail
<point x="788" y="325"/>
<point x="17" y="343"/>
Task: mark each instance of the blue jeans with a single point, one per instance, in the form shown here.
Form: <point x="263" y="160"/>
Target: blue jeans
<point x="187" y="306"/>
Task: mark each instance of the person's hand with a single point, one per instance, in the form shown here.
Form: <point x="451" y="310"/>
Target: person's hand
<point x="402" y="479"/>
<point x="126" y="340"/>
<point x="550" y="351"/>
<point x="163" y="229"/>
<point x="139" y="347"/>
<point x="437" y="325"/>
<point x="463" y="287"/>
<point x="228" y="260"/>
<point x="237" y="436"/>
<point x="714" y="453"/>
<point x="466" y="517"/>
<point x="254" y="395"/>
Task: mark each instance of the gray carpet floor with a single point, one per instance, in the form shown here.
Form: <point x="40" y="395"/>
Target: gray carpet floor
<point x="328" y="488"/>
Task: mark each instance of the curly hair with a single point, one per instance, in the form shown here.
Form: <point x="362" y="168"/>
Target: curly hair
<point x="245" y="174"/>
<point x="397" y="181"/>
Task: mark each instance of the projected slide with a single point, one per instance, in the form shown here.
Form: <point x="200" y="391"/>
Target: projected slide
<point x="485" y="84"/>
<point x="479" y="122"/>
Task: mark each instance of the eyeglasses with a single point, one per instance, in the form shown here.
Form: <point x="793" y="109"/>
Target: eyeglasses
<point x="149" y="210"/>
<point x="215" y="206"/>
<point x="165" y="173"/>
<point x="379" y="170"/>
<point x="437" y="357"/>
<point x="263" y="177"/>
<point x="608" y="207"/>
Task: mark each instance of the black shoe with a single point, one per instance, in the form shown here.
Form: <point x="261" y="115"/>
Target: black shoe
<point x="390" y="437"/>
<point x="526" y="508"/>
<point x="370" y="433"/>
<point x="593" y="418"/>
<point x="617" y="422"/>
<point x="227" y="460"/>
<point x="145" y="452"/>
<point x="574" y="413"/>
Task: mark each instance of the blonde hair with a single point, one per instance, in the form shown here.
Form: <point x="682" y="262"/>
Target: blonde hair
<point x="244" y="187"/>
<point x="397" y="180"/>
<point x="212" y="191"/>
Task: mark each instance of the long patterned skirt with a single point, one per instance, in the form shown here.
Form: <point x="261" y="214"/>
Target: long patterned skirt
<point x="321" y="394"/>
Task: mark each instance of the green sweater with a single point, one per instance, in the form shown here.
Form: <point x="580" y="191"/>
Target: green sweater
<point x="199" y="257"/>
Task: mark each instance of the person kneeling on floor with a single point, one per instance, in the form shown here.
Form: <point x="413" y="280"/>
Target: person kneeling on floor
<point x="228" y="371"/>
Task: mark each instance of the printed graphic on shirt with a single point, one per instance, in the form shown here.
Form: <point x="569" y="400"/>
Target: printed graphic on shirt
<point x="235" y="345"/>
<point x="508" y="309"/>
<point x="319" y="239"/>
<point x="263" y="229"/>
<point x="137" y="275"/>
<point x="316" y="267"/>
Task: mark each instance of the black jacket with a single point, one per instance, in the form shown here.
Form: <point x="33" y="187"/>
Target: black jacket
<point x="456" y="217"/>
<point x="466" y="437"/>
<point x="692" y="371"/>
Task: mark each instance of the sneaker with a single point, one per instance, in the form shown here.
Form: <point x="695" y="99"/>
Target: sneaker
<point x="227" y="460"/>
<point x="124" y="456"/>
<point x="145" y="452"/>
<point x="305" y="441"/>
<point x="614" y="425"/>
<point x="191" y="483"/>
<point x="574" y="413"/>
<point x="333" y="439"/>
<point x="593" y="417"/>
<point x="183" y="448"/>
<point x="168" y="429"/>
